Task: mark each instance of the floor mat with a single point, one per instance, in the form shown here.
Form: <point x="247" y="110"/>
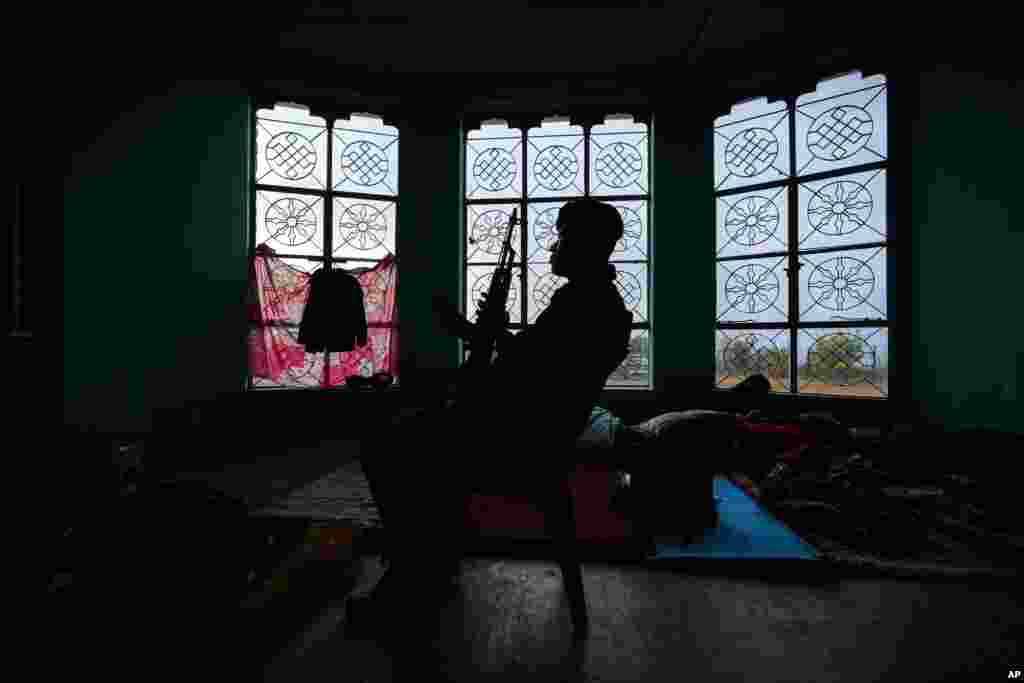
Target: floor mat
<point x="744" y="531"/>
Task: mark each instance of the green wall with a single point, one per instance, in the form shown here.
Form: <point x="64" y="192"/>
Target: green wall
<point x="683" y="303"/>
<point x="154" y="258"/>
<point x="966" y="265"/>
<point x="429" y="233"/>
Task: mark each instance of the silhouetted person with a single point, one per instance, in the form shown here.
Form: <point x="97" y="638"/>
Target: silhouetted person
<point x="537" y="399"/>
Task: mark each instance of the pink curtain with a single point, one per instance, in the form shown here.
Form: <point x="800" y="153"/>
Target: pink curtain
<point x="277" y="297"/>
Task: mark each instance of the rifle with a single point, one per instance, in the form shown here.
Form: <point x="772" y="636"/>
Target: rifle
<point x="483" y="336"/>
<point x="490" y="321"/>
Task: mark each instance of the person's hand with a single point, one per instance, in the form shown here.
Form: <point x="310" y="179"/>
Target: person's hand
<point x="450" y="319"/>
<point x="491" y="316"/>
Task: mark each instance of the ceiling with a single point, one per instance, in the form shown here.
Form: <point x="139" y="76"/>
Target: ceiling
<point x="516" y="53"/>
<point x="695" y="57"/>
<point x="498" y="38"/>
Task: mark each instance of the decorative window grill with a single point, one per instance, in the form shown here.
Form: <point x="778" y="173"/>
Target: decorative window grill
<point x="326" y="195"/>
<point x="802" y="240"/>
<point x="537" y="170"/>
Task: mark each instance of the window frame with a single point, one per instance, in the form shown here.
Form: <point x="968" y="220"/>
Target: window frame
<point x="327" y="195"/>
<point x="895" y="167"/>
<point x="523" y="203"/>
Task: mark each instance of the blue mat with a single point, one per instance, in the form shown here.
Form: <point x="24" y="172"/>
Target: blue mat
<point x="745" y="531"/>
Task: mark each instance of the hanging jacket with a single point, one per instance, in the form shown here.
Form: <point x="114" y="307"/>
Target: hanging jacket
<point x="334" y="318"/>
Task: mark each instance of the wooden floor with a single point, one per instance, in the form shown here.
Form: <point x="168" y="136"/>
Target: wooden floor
<point x="510" y="623"/>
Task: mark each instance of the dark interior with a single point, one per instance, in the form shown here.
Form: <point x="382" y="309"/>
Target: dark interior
<point x="152" y="115"/>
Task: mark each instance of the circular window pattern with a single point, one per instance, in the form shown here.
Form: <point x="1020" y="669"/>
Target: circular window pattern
<point x="495" y="169"/>
<point x="364" y="162"/>
<point x="751" y="152"/>
<point x="841" y="283"/>
<point x="840" y="208"/>
<point x="840" y="132"/>
<point x="290" y="155"/>
<point x="290" y="221"/>
<point x="752" y="220"/>
<point x="488" y="231"/>
<point x="362" y="227"/>
<point x="556" y="167"/>
<point x="618" y="164"/>
<point x="752" y="288"/>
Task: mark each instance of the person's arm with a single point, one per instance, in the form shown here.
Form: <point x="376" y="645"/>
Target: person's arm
<point x="457" y="324"/>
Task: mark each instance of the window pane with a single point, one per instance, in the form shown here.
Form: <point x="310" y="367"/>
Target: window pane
<point x="363" y="228"/>
<point x="485" y="232"/>
<point x="541" y="235"/>
<point x="842" y="123"/>
<point x="478" y="280"/>
<point x="752" y="223"/>
<point x="633" y="245"/>
<point x="554" y="159"/>
<point x="291" y="148"/>
<point x="843" y="211"/>
<point x="847" y="285"/>
<point x="742" y="353"/>
<point x="752" y="144"/>
<point x="631" y="281"/>
<point x="619" y="162"/>
<point x="289" y="223"/>
<point x="541" y="284"/>
<point x="365" y="156"/>
<point x="752" y="291"/>
<point x="635" y="370"/>
<point x="494" y="156"/>
<point x="845" y="362"/>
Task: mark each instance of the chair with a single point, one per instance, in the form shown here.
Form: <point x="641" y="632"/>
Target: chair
<point x="552" y="492"/>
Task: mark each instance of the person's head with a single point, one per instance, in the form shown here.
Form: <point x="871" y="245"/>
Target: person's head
<point x="587" y="232"/>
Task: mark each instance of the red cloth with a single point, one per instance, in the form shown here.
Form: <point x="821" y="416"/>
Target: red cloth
<point x="277" y="297"/>
<point x="515" y="517"/>
<point x="795" y="438"/>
